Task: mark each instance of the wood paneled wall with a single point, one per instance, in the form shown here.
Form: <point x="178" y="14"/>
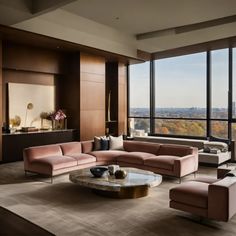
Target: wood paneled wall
<point x="122" y="99"/>
<point x="92" y="97"/>
<point x="68" y="92"/>
<point x="1" y="100"/>
<point x="116" y="83"/>
<point x="31" y="65"/>
<point x="26" y="58"/>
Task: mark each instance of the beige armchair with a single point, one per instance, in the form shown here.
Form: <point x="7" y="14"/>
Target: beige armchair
<point x="209" y="198"/>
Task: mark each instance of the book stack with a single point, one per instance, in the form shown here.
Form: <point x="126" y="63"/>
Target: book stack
<point x="29" y="129"/>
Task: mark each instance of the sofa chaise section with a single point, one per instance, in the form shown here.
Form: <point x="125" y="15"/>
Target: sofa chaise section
<point x="56" y="159"/>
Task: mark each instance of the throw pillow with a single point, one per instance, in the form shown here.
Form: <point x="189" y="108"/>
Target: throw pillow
<point x="104" y="144"/>
<point x="97" y="143"/>
<point x="116" y="143"/>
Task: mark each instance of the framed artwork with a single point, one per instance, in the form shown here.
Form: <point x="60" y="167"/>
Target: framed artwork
<point x="27" y="102"/>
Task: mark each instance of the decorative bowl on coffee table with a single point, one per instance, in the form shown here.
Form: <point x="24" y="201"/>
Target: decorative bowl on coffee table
<point x="98" y="171"/>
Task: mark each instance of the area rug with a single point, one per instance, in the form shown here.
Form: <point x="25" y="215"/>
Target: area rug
<point x="64" y="208"/>
<point x="13" y="224"/>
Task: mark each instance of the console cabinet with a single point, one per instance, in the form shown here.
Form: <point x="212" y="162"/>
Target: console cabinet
<point x="13" y="144"/>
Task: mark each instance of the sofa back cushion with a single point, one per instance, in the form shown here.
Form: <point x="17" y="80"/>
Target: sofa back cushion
<point x="175" y="150"/>
<point x="87" y="146"/>
<point x="38" y="152"/>
<point x="71" y="148"/>
<point x="138" y="146"/>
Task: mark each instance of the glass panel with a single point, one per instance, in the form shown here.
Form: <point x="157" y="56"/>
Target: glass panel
<point x="233" y="131"/>
<point x="234" y="84"/>
<point x="139" y="90"/>
<point x="220" y="84"/>
<point x="181" y="86"/>
<point x="139" y="127"/>
<point x="180" y="127"/>
<point x="219" y="129"/>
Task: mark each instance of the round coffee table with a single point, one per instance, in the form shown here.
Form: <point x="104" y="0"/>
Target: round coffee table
<point x="136" y="184"/>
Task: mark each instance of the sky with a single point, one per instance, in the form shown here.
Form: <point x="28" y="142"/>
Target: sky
<point x="181" y="81"/>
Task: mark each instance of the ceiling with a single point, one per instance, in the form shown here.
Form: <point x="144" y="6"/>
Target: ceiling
<point x="139" y="16"/>
<point x="124" y="21"/>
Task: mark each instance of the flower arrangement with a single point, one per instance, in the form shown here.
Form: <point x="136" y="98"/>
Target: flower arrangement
<point x="58" y="115"/>
<point x="57" y="118"/>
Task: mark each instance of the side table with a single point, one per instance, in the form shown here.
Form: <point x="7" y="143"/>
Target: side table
<point x="224" y="169"/>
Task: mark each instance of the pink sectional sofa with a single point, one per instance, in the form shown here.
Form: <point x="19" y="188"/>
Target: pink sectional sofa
<point x="166" y="159"/>
<point x="208" y="198"/>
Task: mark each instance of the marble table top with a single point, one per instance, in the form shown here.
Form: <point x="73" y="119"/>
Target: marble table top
<point x="135" y="177"/>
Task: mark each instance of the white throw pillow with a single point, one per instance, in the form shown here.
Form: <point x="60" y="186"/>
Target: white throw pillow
<point x="116" y="143"/>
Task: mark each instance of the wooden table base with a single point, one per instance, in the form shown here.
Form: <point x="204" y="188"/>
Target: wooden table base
<point x="125" y="193"/>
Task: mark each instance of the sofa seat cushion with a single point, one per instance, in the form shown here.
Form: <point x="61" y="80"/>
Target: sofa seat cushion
<point x="134" y="157"/>
<point x="71" y="148"/>
<point x="108" y="155"/>
<point x="56" y="162"/>
<point x="83" y="158"/>
<point x="192" y="193"/>
<point x="163" y="162"/>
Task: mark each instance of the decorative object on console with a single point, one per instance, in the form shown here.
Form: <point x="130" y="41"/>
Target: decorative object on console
<point x="58" y="120"/>
<point x="98" y="171"/>
<point x="109" y="107"/>
<point x="26" y="128"/>
<point x="14" y="123"/>
<point x="29" y="129"/>
<point x="29" y="106"/>
<point x="46" y="116"/>
<point x="120" y="174"/>
<point x="116" y="143"/>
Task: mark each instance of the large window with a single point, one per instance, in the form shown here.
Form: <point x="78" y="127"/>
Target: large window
<point x="139" y="99"/>
<point x="180" y="92"/>
<point x="192" y="94"/>
<point x="220" y="88"/>
<point x="219" y="75"/>
<point x="234" y="84"/>
<point x="233" y="128"/>
<point x="139" y="93"/>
